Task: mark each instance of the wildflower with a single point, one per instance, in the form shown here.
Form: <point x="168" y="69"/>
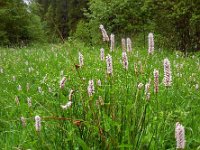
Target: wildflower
<point x="104" y="33"/>
<point x="125" y="60"/>
<point x="102" y="54"/>
<point x="27" y="87"/>
<point x="123" y="44"/>
<point x="156" y="80"/>
<point x="135" y="68"/>
<point x="23" y="120"/>
<point x="197" y="86"/>
<point x="109" y="64"/>
<point x="112" y="42"/>
<point x="99" y="82"/>
<point x="147" y="87"/>
<point x="19" y="88"/>
<point x="66" y="106"/>
<point x="37" y="123"/>
<point x="100" y="101"/>
<point x="150" y="43"/>
<point x="1" y="70"/>
<point x="29" y="101"/>
<point x="71" y="94"/>
<point x="62" y="82"/>
<point x="91" y="88"/>
<point x="50" y="90"/>
<point x="39" y="89"/>
<point x="180" y="136"/>
<point x="26" y="62"/>
<point x="140" y="85"/>
<point x="14" y="78"/>
<point x="128" y="45"/>
<point x="167" y="73"/>
<point x="17" y="100"/>
<point x="81" y="63"/>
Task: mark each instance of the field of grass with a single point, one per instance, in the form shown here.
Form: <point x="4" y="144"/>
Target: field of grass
<point x="117" y="116"/>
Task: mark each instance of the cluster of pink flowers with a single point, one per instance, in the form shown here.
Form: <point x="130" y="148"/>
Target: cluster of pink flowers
<point x="167" y="73"/>
<point x="156" y="80"/>
<point x="37" y="123"/>
<point x="102" y="55"/>
<point x="90" y="88"/>
<point x="81" y="59"/>
<point x="180" y="136"/>
<point x="109" y="64"/>
<point x="125" y="60"/>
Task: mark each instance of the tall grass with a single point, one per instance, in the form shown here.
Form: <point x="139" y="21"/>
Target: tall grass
<point x="116" y="116"/>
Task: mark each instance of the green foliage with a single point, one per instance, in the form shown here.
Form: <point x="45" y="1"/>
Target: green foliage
<point x="18" y="24"/>
<point x="174" y="22"/>
<point x="126" y="120"/>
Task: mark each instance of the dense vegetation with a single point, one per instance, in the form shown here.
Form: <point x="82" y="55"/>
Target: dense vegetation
<point x="78" y="74"/>
<point x="118" y="115"/>
<point x="175" y="23"/>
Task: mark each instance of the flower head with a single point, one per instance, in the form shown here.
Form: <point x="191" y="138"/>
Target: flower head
<point x="102" y="54"/>
<point x="123" y="44"/>
<point x="62" y="82"/>
<point x="66" y="106"/>
<point x="180" y="136"/>
<point x="81" y="59"/>
<point x="37" y="123"/>
<point x="128" y="45"/>
<point x="109" y="64"/>
<point x="125" y="60"/>
<point x="167" y="73"/>
<point x="150" y="43"/>
<point x="104" y="33"/>
<point x="156" y="80"/>
<point x="112" y="42"/>
<point x="90" y="88"/>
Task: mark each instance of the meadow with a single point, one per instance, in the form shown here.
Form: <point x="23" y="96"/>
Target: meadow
<point x="119" y="113"/>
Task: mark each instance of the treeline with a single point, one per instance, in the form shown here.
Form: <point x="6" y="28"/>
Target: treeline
<point x="18" y="24"/>
<point x="175" y="24"/>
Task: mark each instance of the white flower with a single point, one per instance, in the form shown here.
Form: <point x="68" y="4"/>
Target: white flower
<point x="99" y="82"/>
<point x="140" y="85"/>
<point x="29" y="101"/>
<point x="66" y="106"/>
<point x="19" y="88"/>
<point x="23" y="120"/>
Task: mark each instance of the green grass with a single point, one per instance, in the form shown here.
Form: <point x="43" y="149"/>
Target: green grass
<point x="125" y="121"/>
